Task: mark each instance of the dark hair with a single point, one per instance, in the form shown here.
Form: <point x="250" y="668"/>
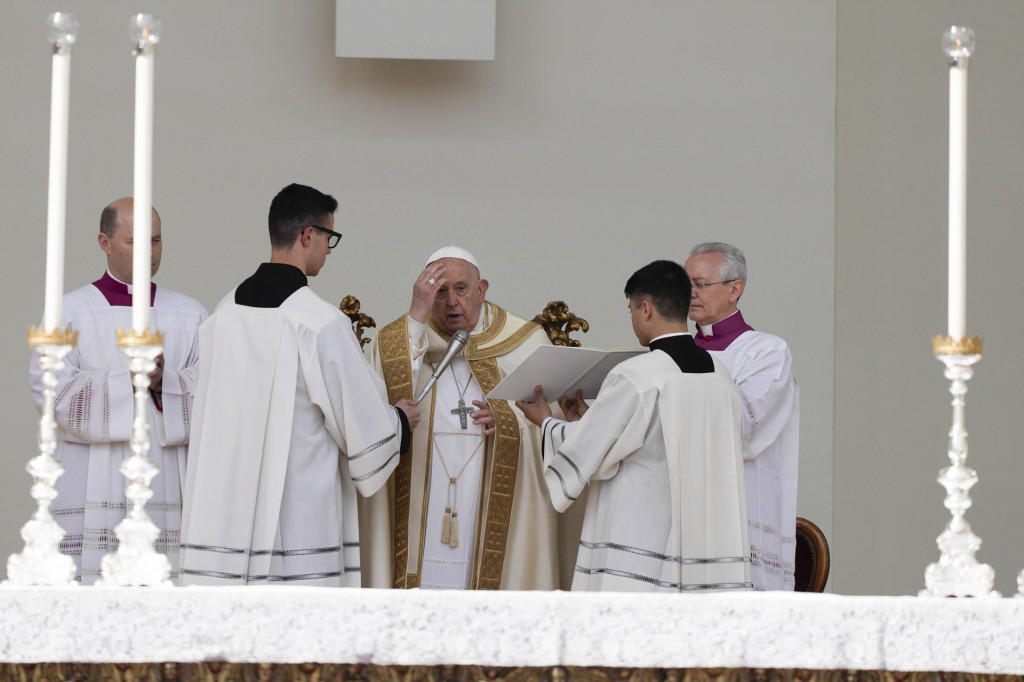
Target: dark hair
<point x="667" y="286"/>
<point x="294" y="209"/>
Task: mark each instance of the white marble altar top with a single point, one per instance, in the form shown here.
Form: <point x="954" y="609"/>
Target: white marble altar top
<point x="326" y="625"/>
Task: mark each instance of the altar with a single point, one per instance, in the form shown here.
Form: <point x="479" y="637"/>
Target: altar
<point x="321" y="633"/>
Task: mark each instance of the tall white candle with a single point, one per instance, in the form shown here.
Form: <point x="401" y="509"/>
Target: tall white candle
<point x="958" y="43"/>
<point x="957" y="201"/>
<point x="144" y="34"/>
<point x="63" y="28"/>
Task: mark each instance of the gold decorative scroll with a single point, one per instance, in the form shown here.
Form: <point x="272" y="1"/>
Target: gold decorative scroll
<point x="360" y="321"/>
<point x="558" y="321"/>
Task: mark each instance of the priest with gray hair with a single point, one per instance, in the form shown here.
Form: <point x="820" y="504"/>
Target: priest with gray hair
<point x="468" y="509"/>
<point x="762" y="367"/>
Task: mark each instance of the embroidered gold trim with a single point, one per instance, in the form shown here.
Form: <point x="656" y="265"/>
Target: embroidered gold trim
<point x="396" y="364"/>
<point x="473" y="352"/>
<point x="504" y="470"/>
<point x="426" y="485"/>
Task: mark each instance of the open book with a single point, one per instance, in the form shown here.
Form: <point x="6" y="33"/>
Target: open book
<point x="561" y="371"/>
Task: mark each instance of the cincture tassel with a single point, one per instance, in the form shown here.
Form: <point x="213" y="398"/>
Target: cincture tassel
<point x="455" y="530"/>
<point x="446" y="526"/>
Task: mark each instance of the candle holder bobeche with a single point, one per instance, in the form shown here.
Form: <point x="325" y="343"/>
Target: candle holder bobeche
<point x="957" y="573"/>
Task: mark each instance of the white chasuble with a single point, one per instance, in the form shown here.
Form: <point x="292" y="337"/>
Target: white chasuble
<point x="290" y="421"/>
<point x="661" y="452"/>
<point x="94" y="409"/>
<point x="508" y="532"/>
<point x="762" y="367"/>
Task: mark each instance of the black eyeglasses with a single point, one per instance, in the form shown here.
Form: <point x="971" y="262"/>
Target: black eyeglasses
<point x="333" y="239"/>
<point x="701" y="286"/>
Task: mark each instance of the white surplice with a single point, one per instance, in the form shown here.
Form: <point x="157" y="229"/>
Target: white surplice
<point x="290" y="420"/>
<point x="762" y="366"/>
<point x="94" y="410"/>
<point x="661" y="452"/>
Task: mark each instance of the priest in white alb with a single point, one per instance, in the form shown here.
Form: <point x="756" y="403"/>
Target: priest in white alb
<point x="660" y="451"/>
<point x="762" y="366"/>
<point x="290" y="421"/>
<point x="95" y="404"/>
<point x="467" y="510"/>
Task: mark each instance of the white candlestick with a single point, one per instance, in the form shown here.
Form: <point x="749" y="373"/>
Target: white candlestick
<point x="958" y="43"/>
<point x="144" y="34"/>
<point x="62" y="33"/>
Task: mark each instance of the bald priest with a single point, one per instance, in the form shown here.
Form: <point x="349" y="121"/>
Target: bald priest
<point x="468" y="509"/>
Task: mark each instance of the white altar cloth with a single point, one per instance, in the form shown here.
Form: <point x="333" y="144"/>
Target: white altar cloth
<point x="418" y="627"/>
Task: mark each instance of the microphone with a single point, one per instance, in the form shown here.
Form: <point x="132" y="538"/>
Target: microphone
<point x="457" y="345"/>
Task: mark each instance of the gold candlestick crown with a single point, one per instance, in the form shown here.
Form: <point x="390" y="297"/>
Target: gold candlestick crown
<point x="947" y="345"/>
<point x="127" y="339"/>
<point x="53" y="337"/>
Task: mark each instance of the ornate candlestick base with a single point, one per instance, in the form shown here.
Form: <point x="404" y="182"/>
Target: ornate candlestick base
<point x="957" y="573"/>
<point x="136" y="562"/>
<point x="41" y="562"/>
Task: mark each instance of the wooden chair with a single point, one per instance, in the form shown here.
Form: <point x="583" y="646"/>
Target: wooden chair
<point x="812" y="557"/>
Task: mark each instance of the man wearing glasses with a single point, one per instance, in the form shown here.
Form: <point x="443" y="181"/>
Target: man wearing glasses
<point x="284" y="389"/>
<point x="761" y="366"/>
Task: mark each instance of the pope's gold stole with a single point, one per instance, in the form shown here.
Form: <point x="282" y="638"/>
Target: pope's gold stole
<point x="504" y="470"/>
<point x="395" y="354"/>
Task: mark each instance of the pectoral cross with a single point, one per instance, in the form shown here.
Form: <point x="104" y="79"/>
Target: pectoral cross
<point x="463" y="411"/>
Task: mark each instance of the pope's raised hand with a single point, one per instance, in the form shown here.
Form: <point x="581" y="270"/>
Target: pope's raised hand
<point x="424" y="290"/>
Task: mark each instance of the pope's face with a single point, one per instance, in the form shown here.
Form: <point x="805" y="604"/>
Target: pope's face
<point x="718" y="300"/>
<point x="457" y="304"/>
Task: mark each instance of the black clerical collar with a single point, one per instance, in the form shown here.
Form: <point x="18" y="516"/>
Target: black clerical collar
<point x="270" y="286"/>
<point x="685" y="353"/>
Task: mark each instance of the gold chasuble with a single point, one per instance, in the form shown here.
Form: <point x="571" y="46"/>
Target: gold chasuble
<point x="517" y="533"/>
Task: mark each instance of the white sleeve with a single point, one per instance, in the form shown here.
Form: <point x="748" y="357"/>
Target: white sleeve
<point x="91" y="406"/>
<point x="367" y="429"/>
<point x="768" y="395"/>
<point x="592" y="448"/>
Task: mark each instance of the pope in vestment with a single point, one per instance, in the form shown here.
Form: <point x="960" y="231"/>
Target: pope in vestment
<point x="468" y="509"/>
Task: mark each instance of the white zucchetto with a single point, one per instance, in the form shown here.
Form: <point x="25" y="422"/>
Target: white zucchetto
<point x="453" y="252"/>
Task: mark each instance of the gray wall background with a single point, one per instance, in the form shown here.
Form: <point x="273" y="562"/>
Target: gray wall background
<point x="606" y="134"/>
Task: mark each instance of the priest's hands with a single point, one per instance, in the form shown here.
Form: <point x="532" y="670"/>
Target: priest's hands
<point x="483" y="417"/>
<point x="412" y="413"/>
<point x="538" y="410"/>
<point x="574" y="407"/>
<point x="424" y="290"/>
<point x="156" y="377"/>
